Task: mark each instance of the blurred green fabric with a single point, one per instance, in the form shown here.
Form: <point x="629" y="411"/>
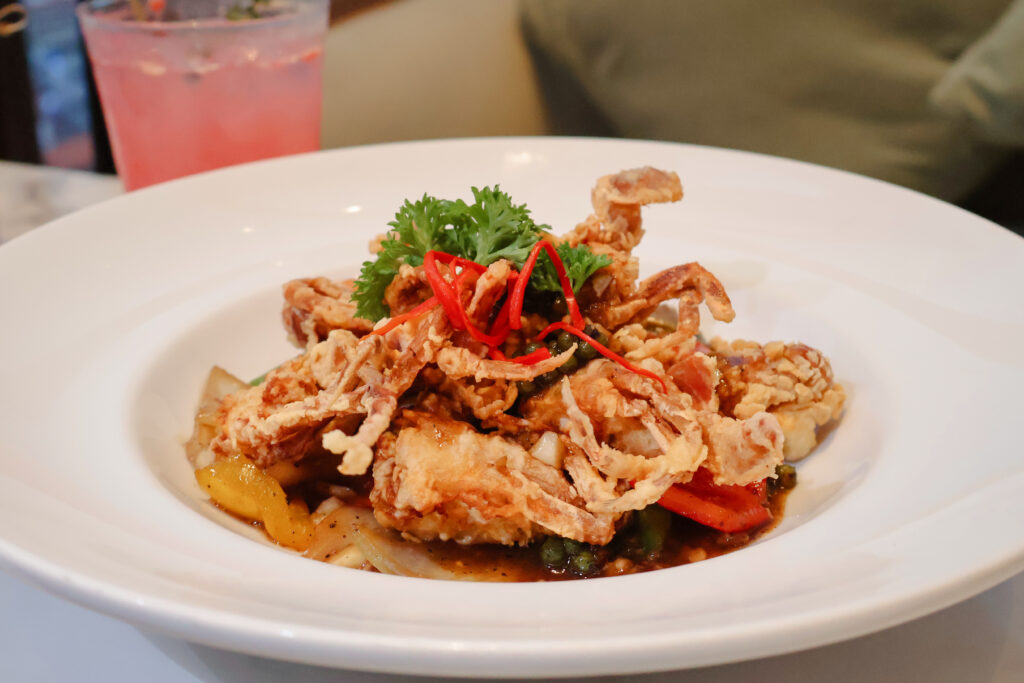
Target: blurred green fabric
<point x="928" y="94"/>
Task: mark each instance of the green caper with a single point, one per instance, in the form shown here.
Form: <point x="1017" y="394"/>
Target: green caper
<point x="527" y="388"/>
<point x="531" y="347"/>
<point x="547" y="379"/>
<point x="559" y="307"/>
<point x="596" y="334"/>
<point x="785" y="476"/>
<point x="552" y="552"/>
<point x="570" y="366"/>
<point x="564" y="341"/>
<point x="584" y="563"/>
<point x="585" y="352"/>
<point x="572" y="547"/>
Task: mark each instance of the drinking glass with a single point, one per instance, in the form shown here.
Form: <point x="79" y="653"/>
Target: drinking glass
<point x="191" y="85"/>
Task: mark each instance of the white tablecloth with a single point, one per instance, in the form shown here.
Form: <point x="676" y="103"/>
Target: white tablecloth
<point x="43" y="638"/>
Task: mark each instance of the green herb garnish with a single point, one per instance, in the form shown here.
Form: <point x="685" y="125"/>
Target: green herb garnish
<point x="489" y="229"/>
<point x="580" y="264"/>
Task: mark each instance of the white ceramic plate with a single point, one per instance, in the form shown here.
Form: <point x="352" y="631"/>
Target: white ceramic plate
<point x="113" y="316"/>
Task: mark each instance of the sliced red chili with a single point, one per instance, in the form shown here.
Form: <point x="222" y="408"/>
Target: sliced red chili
<point x="501" y="328"/>
<point x="442" y="289"/>
<point x="498" y="334"/>
<point x="602" y="349"/>
<point x="405" y="317"/>
<point x="533" y="357"/>
<point x="446" y="258"/>
<point x="519" y="293"/>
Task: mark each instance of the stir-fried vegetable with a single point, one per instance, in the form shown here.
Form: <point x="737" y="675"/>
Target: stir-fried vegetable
<point x="727" y="508"/>
<point x="242" y="488"/>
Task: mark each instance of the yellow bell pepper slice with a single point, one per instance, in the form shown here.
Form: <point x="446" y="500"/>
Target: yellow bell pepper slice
<point x="242" y="488"/>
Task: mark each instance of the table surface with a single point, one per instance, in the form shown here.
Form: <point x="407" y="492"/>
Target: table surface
<point x="44" y="638"/>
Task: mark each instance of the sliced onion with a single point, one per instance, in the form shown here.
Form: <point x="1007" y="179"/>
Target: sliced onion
<point x="349" y="535"/>
<point x="549" y="449"/>
<point x="389" y="554"/>
<point x="219" y="383"/>
<point x="334" y="535"/>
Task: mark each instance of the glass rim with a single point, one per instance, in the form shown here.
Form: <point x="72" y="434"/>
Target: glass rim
<point x="93" y="12"/>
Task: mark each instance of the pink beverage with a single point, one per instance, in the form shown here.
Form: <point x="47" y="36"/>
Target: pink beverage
<point x="186" y="96"/>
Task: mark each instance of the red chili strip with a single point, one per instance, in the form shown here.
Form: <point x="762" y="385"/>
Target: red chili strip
<point x="501" y="326"/>
<point x="446" y="258"/>
<point x="491" y="340"/>
<point x="533" y="357"/>
<point x="602" y="349"/>
<point x="497" y="335"/>
<point x="519" y="293"/>
<point x="461" y="322"/>
<point x="515" y="312"/>
<point x="442" y="289"/>
<point x="405" y="317"/>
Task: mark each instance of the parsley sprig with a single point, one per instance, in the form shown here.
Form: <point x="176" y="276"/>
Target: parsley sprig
<point x="489" y="229"/>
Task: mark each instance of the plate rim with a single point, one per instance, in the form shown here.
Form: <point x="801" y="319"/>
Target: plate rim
<point x="124" y="604"/>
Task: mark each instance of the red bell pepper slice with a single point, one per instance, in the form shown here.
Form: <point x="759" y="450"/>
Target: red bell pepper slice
<point x="731" y="509"/>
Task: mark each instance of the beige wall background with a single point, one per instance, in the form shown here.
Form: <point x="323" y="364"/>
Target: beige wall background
<point x="417" y="69"/>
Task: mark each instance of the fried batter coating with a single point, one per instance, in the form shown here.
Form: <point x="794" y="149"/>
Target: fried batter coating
<point x="440" y="479"/>
<point x="301" y="403"/>
<point x="793" y="382"/>
<point x="407" y="290"/>
<point x="315" y="306"/>
<point x="412" y="347"/>
<point x="617" y="200"/>
<point x="638" y="440"/>
<point x="691" y="283"/>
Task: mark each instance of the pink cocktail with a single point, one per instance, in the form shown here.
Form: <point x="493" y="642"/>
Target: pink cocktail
<point x="191" y="95"/>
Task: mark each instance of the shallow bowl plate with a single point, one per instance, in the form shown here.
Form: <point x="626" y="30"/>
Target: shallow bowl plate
<point x="113" y="315"/>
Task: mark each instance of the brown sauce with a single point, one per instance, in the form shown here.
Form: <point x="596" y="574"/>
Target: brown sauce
<point x="685" y="542"/>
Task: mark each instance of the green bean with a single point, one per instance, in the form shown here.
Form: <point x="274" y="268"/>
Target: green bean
<point x="653" y="523"/>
